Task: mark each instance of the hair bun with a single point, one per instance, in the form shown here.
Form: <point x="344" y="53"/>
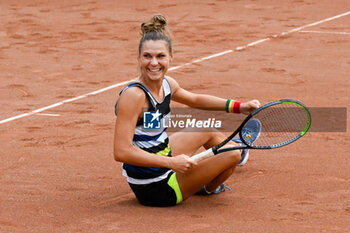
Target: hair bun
<point x="156" y="24"/>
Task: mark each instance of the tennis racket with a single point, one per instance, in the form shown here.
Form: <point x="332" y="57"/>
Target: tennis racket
<point x="281" y="123"/>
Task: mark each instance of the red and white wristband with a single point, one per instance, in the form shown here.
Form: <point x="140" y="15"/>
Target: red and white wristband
<point x="233" y="106"/>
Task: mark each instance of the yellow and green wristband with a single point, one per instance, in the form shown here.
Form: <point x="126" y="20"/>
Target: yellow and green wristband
<point x="233" y="106"/>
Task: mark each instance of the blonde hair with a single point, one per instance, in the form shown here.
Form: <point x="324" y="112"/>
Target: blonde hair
<point x="155" y="29"/>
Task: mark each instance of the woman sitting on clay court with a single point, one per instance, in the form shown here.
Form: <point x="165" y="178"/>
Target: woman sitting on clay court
<point x="157" y="167"/>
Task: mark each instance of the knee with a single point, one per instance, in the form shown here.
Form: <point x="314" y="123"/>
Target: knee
<point x="214" y="137"/>
<point x="235" y="157"/>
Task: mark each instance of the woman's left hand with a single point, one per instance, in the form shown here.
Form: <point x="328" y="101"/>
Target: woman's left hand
<point x="249" y="106"/>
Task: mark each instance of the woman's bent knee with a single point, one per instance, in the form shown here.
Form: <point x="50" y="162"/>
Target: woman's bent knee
<point x="235" y="157"/>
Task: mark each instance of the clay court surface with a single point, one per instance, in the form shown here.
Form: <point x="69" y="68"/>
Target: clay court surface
<point x="57" y="168"/>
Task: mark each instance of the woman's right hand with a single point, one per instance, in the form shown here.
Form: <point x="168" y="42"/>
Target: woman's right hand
<point x="247" y="107"/>
<point x="181" y="163"/>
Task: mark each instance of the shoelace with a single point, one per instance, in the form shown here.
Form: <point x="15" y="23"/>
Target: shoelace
<point x="226" y="187"/>
<point x="221" y="188"/>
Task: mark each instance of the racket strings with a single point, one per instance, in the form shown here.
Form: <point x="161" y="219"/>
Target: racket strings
<point x="281" y="123"/>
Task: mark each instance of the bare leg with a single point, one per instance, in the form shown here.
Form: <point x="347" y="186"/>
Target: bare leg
<point x="210" y="172"/>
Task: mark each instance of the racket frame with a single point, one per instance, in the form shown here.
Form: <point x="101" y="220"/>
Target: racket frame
<point x="220" y="147"/>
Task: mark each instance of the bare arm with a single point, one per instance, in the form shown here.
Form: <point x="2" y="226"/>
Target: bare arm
<point x="130" y="107"/>
<point x="206" y="102"/>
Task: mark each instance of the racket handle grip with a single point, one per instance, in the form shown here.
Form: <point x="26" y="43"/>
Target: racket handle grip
<point x="203" y="155"/>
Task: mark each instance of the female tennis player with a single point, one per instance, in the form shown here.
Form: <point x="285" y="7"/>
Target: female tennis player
<point x="157" y="167"/>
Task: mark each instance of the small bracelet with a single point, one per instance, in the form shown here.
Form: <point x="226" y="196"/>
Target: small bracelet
<point x="233" y="106"/>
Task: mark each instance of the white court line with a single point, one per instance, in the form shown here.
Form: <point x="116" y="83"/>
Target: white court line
<point x="315" y="23"/>
<point x="212" y="56"/>
<point x="61" y="103"/>
<point x="173" y="68"/>
<point x="327" y="32"/>
<point x="48" y="114"/>
<point x="252" y="44"/>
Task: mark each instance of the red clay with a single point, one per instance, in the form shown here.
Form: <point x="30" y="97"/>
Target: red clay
<point x="58" y="173"/>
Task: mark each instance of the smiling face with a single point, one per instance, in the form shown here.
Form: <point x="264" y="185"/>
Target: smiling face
<point x="154" y="59"/>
